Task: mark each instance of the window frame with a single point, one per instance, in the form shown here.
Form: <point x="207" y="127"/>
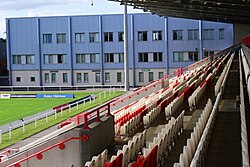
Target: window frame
<point x="177" y="35"/>
<point x="94" y="36"/>
<point x="142" y="35"/>
<point x="157" y="35"/>
<point x="108" y="36"/>
<point x="194" y="34"/>
<point x="81" y="38"/>
<point x="60" y="38"/>
<point x="47" y="38"/>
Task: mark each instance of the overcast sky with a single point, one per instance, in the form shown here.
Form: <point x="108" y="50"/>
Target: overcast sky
<point x="30" y="8"/>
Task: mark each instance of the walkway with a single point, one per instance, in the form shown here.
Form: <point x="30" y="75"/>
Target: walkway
<point x="225" y="144"/>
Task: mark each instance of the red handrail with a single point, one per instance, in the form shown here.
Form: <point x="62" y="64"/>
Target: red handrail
<point x="61" y="145"/>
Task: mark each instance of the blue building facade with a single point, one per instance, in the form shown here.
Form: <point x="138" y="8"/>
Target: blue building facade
<point x="88" y="50"/>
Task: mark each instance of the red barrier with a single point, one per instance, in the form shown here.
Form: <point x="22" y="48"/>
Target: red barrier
<point x="61" y="107"/>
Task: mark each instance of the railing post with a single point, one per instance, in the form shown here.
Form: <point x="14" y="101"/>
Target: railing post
<point x="46" y="117"/>
<point x="85" y="117"/>
<point x="69" y="108"/>
<point x="77" y="105"/>
<point x="35" y="123"/>
<point x="84" y="103"/>
<point x="78" y="120"/>
<point x="98" y="116"/>
<point x="23" y="127"/>
<point x="109" y="113"/>
<point x="55" y="114"/>
<point x="9" y="132"/>
<point x="90" y="99"/>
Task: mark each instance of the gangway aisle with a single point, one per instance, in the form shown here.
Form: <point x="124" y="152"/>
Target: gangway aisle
<point x="225" y="144"/>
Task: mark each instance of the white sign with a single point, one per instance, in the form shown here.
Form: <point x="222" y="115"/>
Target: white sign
<point x="4" y="96"/>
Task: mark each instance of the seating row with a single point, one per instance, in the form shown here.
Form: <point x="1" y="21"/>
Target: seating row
<point x="186" y="156"/>
<point x="99" y="160"/>
<point x="130" y="151"/>
<point x="246" y="69"/>
<point x="244" y="138"/>
<point x="129" y="117"/>
<point x="201" y="151"/>
<point x="220" y="84"/>
<point x="151" y="116"/>
<point x="165" y="139"/>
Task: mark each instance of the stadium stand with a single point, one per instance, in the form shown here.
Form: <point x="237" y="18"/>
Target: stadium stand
<point x="162" y="100"/>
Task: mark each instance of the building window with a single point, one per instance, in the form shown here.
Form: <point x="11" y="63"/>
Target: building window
<point x="180" y="57"/>
<point x="46" y="77"/>
<point x="119" y="77"/>
<point x="23" y="59"/>
<point x="30" y="59"/>
<point x="177" y="35"/>
<point x="65" y="77"/>
<point x="208" y="53"/>
<point x="120" y="36"/>
<point x="79" y="37"/>
<point x="18" y="79"/>
<point x="17" y="59"/>
<point x="221" y="33"/>
<point x="32" y="79"/>
<point x="97" y="77"/>
<point x="78" y="77"/>
<point x="107" y="77"/>
<point x="54" y="59"/>
<point x="47" y="38"/>
<point x="114" y="57"/>
<point x="53" y="77"/>
<point x="108" y="37"/>
<point x="157" y="35"/>
<point x="80" y="58"/>
<point x="193" y="56"/>
<point x="208" y="34"/>
<point x="94" y="58"/>
<point x="193" y="34"/>
<point x="87" y="58"/>
<point x="142" y="36"/>
<point x="93" y="37"/>
<point x="143" y="57"/>
<point x="150" y="76"/>
<point x="61" y="38"/>
<point x="160" y="75"/>
<point x="157" y="57"/>
<point x="109" y="57"/>
<point x="141" y="77"/>
<point x="85" y="77"/>
<point x="150" y="57"/>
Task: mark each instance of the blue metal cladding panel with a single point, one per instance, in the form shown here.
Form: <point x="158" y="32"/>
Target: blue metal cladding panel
<point x="54" y="25"/>
<point x="114" y="23"/>
<point x="218" y="44"/>
<point x="149" y="23"/>
<point x="23" y="40"/>
<point x="193" y="45"/>
<point x="85" y="24"/>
